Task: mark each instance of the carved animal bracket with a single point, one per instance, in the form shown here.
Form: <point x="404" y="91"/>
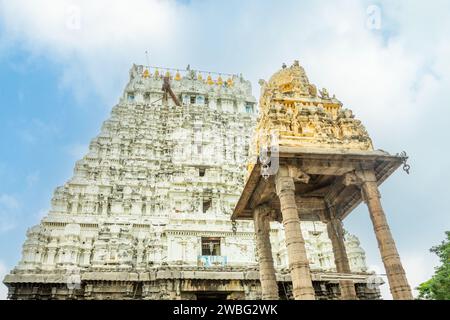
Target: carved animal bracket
<point x="298" y="175"/>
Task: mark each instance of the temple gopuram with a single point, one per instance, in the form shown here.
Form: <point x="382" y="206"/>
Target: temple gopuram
<point x="146" y="214"/>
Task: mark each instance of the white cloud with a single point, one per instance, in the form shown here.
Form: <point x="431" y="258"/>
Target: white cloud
<point x="9" y="206"/>
<point x="373" y="73"/>
<point x="77" y="150"/>
<point x="9" y="201"/>
<point x="3" y="288"/>
<point x="27" y="137"/>
<point x="33" y="130"/>
<point x="419" y="268"/>
<point x="32" y="178"/>
<point x="95" y="41"/>
<point x="41" y="214"/>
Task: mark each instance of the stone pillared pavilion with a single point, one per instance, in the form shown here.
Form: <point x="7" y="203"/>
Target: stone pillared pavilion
<point x="314" y="162"/>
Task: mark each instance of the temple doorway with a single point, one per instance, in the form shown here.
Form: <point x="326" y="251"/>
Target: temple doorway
<point x="212" y="295"/>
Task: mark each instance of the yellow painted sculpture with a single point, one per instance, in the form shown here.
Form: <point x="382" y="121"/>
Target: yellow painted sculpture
<point x="302" y="117"/>
<point x="209" y="80"/>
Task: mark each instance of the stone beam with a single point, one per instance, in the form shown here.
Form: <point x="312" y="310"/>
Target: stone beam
<point x="344" y="194"/>
<point x="262" y="193"/>
<point x="310" y="208"/>
<point x="322" y="166"/>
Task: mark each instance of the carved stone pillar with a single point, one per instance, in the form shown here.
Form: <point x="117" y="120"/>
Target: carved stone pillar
<point x="298" y="261"/>
<point x="398" y="283"/>
<point x="269" y="287"/>
<point x="336" y="235"/>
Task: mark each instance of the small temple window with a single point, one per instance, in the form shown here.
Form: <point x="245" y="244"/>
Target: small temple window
<point x="186" y="99"/>
<point x="147" y="96"/>
<point x="130" y="97"/>
<point x="249" y="107"/>
<point x="200" y="100"/>
<point x="177" y="206"/>
<point x="210" y="246"/>
<point x="206" y="204"/>
<point x="201" y="172"/>
<point x="192" y="99"/>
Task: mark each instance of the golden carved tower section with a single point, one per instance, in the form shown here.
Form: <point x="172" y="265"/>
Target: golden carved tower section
<point x="303" y="116"/>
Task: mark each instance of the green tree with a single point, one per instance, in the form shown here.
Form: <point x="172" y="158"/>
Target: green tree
<point x="438" y="287"/>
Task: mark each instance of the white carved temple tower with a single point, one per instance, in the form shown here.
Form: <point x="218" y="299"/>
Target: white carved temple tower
<point x="146" y="214"/>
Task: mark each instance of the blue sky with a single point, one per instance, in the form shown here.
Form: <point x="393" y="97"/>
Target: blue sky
<point x="63" y="65"/>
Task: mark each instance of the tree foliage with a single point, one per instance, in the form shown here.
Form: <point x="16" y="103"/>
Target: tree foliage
<point x="438" y="287"/>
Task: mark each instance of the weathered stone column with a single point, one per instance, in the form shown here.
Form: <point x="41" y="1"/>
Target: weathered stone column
<point x="269" y="287"/>
<point x="298" y="261"/>
<point x="336" y="235"/>
<point x="398" y="283"/>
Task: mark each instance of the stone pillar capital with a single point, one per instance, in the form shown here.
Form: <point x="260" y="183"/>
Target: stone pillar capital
<point x="297" y="174"/>
<point x="263" y="210"/>
<point x="335" y="221"/>
<point x="358" y="177"/>
<point x="329" y="214"/>
<point x="365" y="180"/>
<point x="287" y="176"/>
<point x="336" y="227"/>
<point x="351" y="179"/>
<point x="368" y="185"/>
<point x="367" y="175"/>
<point x="327" y="218"/>
<point x="262" y="215"/>
<point x="283" y="184"/>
